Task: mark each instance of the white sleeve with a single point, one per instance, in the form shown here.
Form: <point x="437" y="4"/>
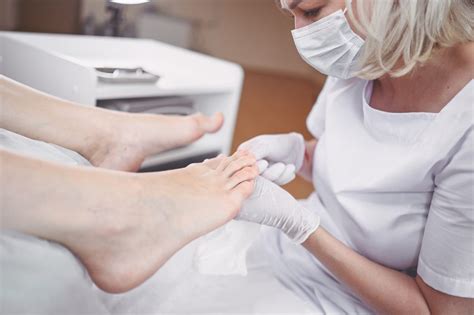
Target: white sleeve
<point x="446" y="261"/>
<point x="317" y="117"/>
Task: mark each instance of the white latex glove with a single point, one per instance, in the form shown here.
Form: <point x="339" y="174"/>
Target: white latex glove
<point x="273" y="206"/>
<point x="281" y="155"/>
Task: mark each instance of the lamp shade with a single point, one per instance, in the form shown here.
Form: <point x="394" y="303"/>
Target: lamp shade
<point x="129" y="1"/>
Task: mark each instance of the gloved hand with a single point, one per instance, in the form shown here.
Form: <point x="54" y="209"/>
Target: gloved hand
<point x="273" y="206"/>
<point x="280" y="156"/>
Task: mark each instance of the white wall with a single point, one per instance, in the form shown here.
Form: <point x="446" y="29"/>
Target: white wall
<point x="253" y="33"/>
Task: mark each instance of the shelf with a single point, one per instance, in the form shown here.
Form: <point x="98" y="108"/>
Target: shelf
<point x="120" y="91"/>
<point x="204" y="145"/>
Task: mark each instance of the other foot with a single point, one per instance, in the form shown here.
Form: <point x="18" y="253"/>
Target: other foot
<point x="134" y="137"/>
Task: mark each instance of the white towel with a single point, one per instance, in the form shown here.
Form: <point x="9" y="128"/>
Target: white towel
<point x="224" y="251"/>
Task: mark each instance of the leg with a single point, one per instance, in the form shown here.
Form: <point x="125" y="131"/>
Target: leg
<point x="107" y="138"/>
<point x="122" y="226"/>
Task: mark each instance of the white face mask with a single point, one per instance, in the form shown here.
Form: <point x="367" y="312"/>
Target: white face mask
<point x="329" y="45"/>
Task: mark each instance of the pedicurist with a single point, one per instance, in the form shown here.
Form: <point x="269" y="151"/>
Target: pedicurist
<point x="390" y="227"/>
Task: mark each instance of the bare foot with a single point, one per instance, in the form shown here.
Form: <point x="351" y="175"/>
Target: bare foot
<point x="168" y="210"/>
<point x="133" y="137"/>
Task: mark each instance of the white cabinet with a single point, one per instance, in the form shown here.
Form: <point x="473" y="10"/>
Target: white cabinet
<point x="65" y="66"/>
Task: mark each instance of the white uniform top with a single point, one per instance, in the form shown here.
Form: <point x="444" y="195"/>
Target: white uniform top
<point x="398" y="188"/>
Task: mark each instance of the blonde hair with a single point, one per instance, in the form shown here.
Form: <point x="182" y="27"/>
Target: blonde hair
<point x="403" y="33"/>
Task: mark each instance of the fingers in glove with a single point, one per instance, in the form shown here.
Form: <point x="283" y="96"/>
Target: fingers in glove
<point x="256" y="146"/>
<point x="274" y="171"/>
<point x="287" y="176"/>
<point x="262" y="166"/>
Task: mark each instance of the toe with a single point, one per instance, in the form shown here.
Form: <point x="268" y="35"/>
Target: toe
<point x="246" y="174"/>
<point x="214" y="162"/>
<point x="239" y="164"/>
<point x="243" y="191"/>
<point x="226" y="162"/>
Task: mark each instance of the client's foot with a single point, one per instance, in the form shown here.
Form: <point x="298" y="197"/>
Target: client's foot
<point x="137" y="136"/>
<point x="161" y="213"/>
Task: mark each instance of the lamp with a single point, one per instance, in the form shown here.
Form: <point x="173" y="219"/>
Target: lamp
<point x="129" y="1"/>
<point x="115" y="7"/>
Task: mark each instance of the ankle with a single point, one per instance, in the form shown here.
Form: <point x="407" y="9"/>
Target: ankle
<point x="104" y="134"/>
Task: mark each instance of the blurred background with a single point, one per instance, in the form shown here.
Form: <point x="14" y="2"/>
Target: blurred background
<point x="279" y="88"/>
